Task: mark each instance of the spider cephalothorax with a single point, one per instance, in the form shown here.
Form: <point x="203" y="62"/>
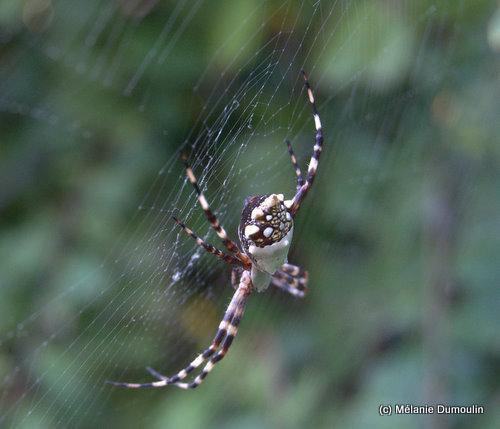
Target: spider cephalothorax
<point x="265" y="220"/>
<point x="265" y="233"/>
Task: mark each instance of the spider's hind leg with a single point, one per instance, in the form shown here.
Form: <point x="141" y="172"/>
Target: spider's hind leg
<point x="223" y="339"/>
<point x="232" y="317"/>
<point x="292" y="279"/>
<point x="235" y="277"/>
<point x="156" y="374"/>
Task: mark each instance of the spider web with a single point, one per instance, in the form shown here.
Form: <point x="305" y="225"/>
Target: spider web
<point x="149" y="295"/>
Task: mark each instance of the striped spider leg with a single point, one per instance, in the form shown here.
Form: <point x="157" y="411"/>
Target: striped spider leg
<point x="298" y="173"/>
<point x="228" y="259"/>
<point x="265" y="233"/>
<point x="303" y="188"/>
<point x="291" y="279"/>
<point x="212" y="219"/>
<point x="223" y="339"/>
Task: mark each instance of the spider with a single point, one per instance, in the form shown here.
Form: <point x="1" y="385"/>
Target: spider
<point x="265" y="233"/>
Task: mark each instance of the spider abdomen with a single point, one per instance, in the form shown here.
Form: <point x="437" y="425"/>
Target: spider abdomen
<point x="269" y="259"/>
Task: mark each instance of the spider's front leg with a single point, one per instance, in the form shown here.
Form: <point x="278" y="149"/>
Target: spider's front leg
<point x="313" y="163"/>
<point x="298" y="172"/>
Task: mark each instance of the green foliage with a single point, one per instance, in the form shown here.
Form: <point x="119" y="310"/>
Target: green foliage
<point x="400" y="233"/>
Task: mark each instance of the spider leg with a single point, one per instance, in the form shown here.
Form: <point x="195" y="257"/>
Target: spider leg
<point x="313" y="163"/>
<point x="291" y="279"/>
<point x="226" y="332"/>
<point x="285" y="286"/>
<point x="222" y="332"/>
<point x="214" y="222"/>
<point x="243" y="292"/>
<point x="202" y="357"/>
<point x="236" y="276"/>
<point x="298" y="173"/>
<point x="156" y="374"/>
<point x="229" y="259"/>
<point x="293" y="270"/>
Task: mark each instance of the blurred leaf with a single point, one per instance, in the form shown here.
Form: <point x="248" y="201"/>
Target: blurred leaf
<point x="373" y="44"/>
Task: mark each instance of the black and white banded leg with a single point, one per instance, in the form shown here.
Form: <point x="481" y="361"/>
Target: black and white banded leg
<point x="291" y="279"/>
<point x="228" y="328"/>
<point x="214" y="222"/>
<point x="298" y="173"/>
<point x="242" y="292"/>
<point x="313" y="163"/>
<point x="229" y="259"/>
